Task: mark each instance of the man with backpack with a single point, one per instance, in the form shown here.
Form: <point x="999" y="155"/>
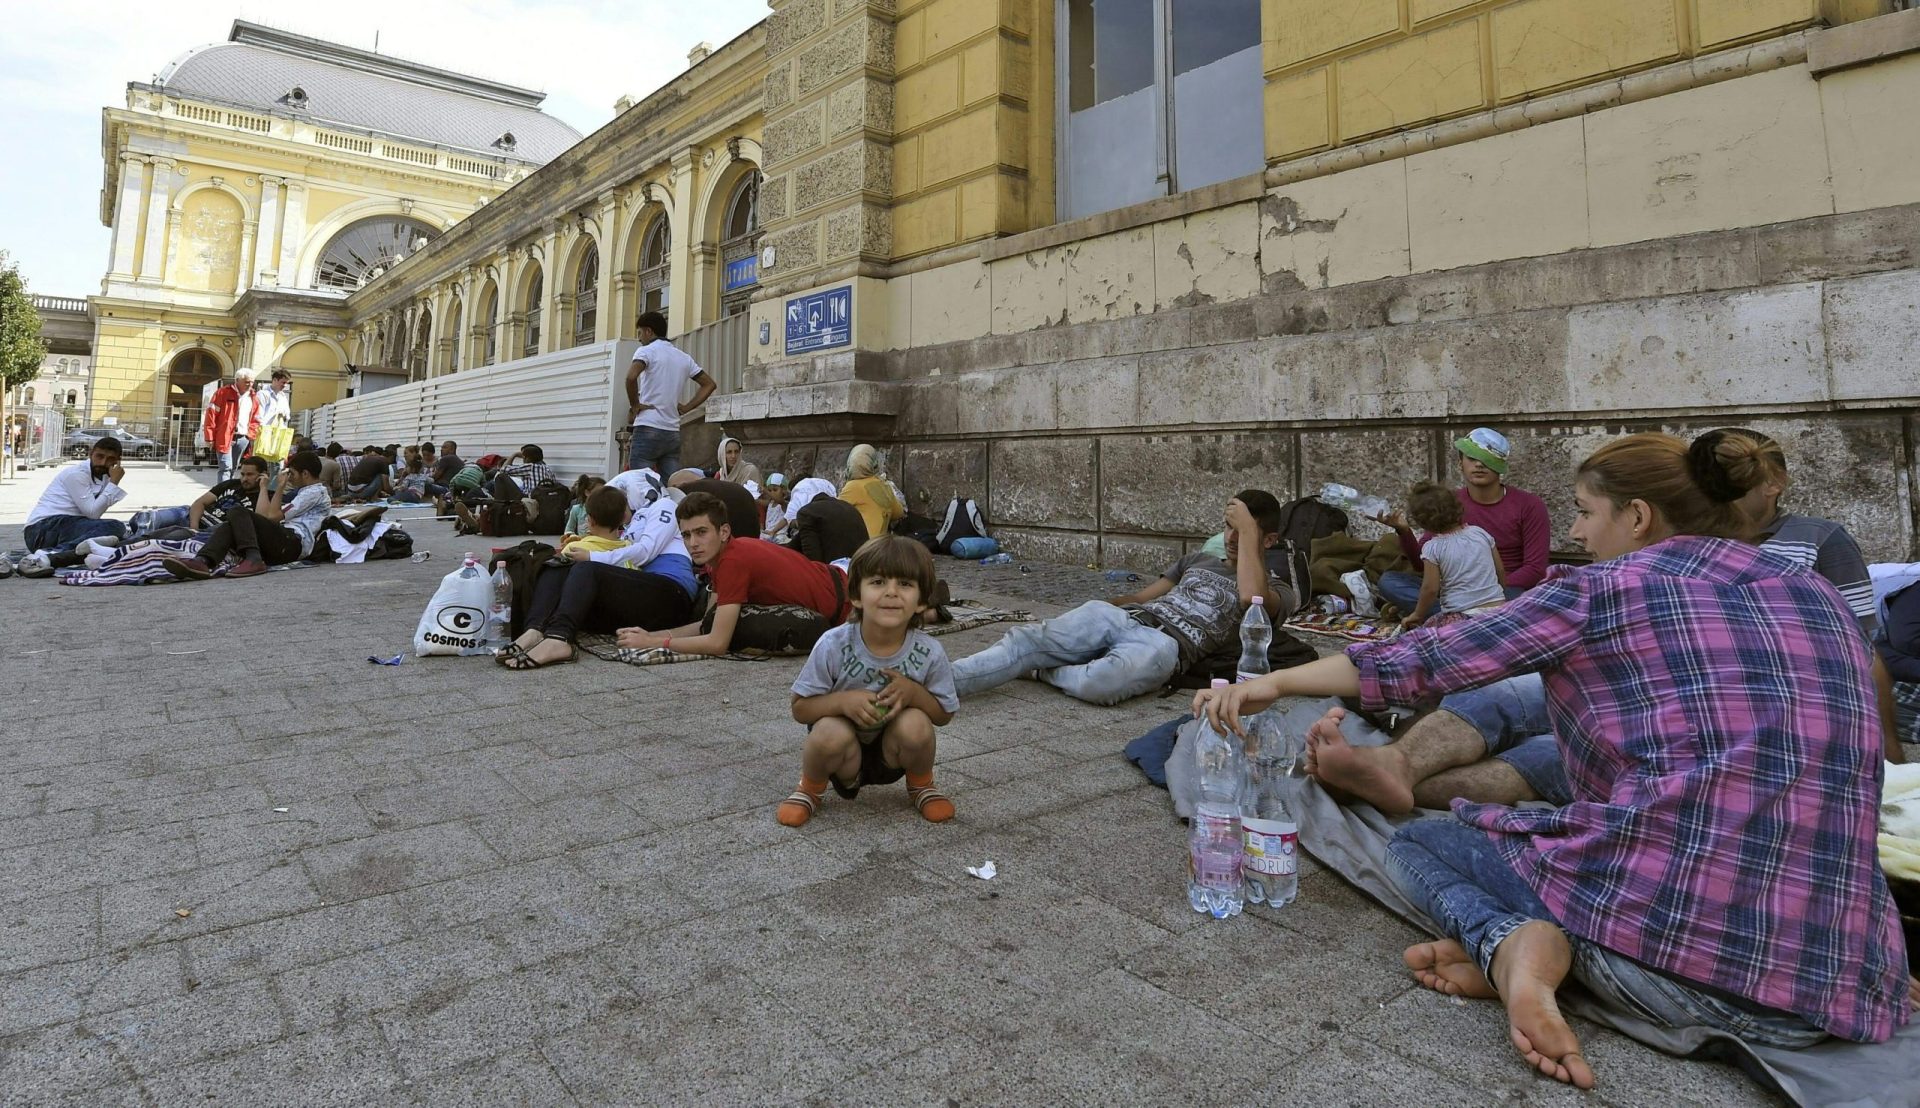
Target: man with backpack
<point x="1106" y="651"/>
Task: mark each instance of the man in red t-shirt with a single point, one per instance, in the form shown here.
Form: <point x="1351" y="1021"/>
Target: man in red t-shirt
<point x="1515" y="518"/>
<point x="748" y="576"/>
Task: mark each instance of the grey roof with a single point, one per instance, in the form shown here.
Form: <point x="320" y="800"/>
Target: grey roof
<point x="409" y="101"/>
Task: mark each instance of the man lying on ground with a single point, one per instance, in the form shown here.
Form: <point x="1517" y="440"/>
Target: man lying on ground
<point x="268" y="535"/>
<point x="1105" y="651"/>
<point x="744" y="571"/>
<point x="1716" y="866"/>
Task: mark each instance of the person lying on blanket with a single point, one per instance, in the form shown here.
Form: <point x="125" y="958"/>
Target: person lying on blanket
<point x="647" y="580"/>
<point x="1712" y="701"/>
<point x="743" y="571"/>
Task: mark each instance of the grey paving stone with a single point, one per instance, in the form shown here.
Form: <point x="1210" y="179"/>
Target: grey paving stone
<point x="65" y="991"/>
<point x="97" y="859"/>
<point x="488" y="1016"/>
<point x="446" y="795"/>
<point x="335" y="1066"/>
<point x="41" y="1067"/>
<point x="159" y="1036"/>
<point x="520" y="1077"/>
<point x="397" y="860"/>
<point x="318" y="935"/>
<point x="215" y="897"/>
<point x="1352" y="1073"/>
<point x="161" y="811"/>
<point x="568" y="823"/>
<point x="413" y="974"/>
<point x="39" y="930"/>
<point x="548" y="778"/>
<point x="267" y="831"/>
<point x="29" y="830"/>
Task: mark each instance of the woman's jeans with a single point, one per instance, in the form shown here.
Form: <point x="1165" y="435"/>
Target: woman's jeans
<point x="1454" y="874"/>
<point x="593" y="596"/>
<point x="1096" y="653"/>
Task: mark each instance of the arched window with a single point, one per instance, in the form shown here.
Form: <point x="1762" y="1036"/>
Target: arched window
<point x="457" y="317"/>
<point x="490" y="343"/>
<point x="653" y="266"/>
<point x="29" y="394"/>
<point x="586" y="296"/>
<point x="422" y="335"/>
<point x="740" y="246"/>
<point x="73" y="398"/>
<point x="536" y="292"/>
<point x="366" y="249"/>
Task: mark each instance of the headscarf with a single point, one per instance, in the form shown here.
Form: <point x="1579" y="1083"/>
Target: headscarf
<point x="862" y="461"/>
<point x="806" y="490"/>
<point x="720" y="468"/>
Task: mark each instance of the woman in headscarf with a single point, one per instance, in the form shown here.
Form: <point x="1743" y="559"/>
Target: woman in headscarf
<point x="731" y="467"/>
<point x="868" y="489"/>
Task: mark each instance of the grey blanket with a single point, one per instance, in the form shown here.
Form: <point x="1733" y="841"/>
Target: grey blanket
<point x="1352" y="840"/>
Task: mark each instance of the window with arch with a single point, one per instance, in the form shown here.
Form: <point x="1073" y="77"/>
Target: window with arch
<point x="73" y="398"/>
<point x="368" y="248"/>
<point x="422" y="336"/>
<point x="536" y="292"/>
<point x="490" y="344"/>
<point x="29" y="394"/>
<point x="458" y="318"/>
<point x="740" y="246"/>
<point x="654" y="251"/>
<point x="586" y="295"/>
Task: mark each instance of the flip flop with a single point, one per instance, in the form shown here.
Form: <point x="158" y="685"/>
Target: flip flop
<point x="573" y="655"/>
<point x="509" y="652"/>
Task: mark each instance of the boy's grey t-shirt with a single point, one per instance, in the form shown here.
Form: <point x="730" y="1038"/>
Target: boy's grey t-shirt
<point x="1202" y="613"/>
<point x="841" y="661"/>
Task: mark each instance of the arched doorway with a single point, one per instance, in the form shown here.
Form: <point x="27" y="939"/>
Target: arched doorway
<point x="191" y="377"/>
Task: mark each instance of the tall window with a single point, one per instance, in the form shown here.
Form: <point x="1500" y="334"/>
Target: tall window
<point x="536" y="292"/>
<point x="422" y="336"/>
<point x="490" y="343"/>
<point x="586" y="296"/>
<point x="653" y="266"/>
<point x="740" y="246"/>
<point x="367" y="249"/>
<point x="1160" y="96"/>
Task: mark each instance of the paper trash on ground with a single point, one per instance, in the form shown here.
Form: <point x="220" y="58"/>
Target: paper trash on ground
<point x="984" y="871"/>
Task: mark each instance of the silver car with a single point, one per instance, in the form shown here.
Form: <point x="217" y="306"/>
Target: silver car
<point x="79" y="442"/>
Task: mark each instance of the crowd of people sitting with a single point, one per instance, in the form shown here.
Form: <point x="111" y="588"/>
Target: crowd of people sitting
<point x="1664" y="766"/>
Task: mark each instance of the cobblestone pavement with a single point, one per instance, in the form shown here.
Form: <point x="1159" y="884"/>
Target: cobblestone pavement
<point x="240" y="864"/>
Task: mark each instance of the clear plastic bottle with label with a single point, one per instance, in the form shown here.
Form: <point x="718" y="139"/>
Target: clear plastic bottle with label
<point x="1269" y="835"/>
<point x="500" y="614"/>
<point x="1256" y="635"/>
<point x="1213" y="834"/>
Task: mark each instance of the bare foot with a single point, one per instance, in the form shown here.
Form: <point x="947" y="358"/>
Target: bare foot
<point x="1527" y="969"/>
<point x="1446" y="967"/>
<point x="1378" y="775"/>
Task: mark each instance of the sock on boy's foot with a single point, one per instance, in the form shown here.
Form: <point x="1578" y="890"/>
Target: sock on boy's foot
<point x="933" y="804"/>
<point x="799" y="805"/>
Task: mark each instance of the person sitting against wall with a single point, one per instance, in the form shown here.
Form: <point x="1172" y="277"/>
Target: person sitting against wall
<point x="1716" y="867"/>
<point x="775" y="523"/>
<point x="526" y="469"/>
<point x="1515" y="518"/>
<point x="868" y="489"/>
<point x="731" y="467"/>
<point x="825" y="527"/>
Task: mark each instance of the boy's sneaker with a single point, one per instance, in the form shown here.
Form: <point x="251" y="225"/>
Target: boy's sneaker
<point x="188" y="569"/>
<point x="36" y="564"/>
<point x="141" y="523"/>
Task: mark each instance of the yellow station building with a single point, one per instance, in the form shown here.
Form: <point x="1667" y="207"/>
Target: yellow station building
<point x="1100" y="262"/>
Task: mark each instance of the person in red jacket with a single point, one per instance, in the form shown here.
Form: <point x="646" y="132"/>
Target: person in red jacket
<point x="232" y="421"/>
<point x="1515" y="518"/>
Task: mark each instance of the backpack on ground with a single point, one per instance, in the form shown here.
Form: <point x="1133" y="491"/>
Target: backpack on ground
<point x="524" y="563"/>
<point x="552" y="501"/>
<point x="505" y="519"/>
<point x="1284" y="652"/>
<point x="921" y="529"/>
<point x="1301" y="522"/>
<point x="962" y="520"/>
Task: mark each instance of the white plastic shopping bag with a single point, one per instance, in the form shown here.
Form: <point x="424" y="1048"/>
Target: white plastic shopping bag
<point x="1363" y="601"/>
<point x="456" y="617"/>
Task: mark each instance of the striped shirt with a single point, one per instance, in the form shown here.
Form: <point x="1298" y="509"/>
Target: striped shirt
<point x="1825" y="547"/>
<point x="1713" y="706"/>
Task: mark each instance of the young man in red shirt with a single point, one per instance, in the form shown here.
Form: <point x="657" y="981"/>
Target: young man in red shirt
<point x="1515" y="518"/>
<point x="748" y="574"/>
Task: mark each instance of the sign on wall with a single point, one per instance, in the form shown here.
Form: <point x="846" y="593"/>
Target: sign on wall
<point x="820" y="321"/>
<point x="742" y="273"/>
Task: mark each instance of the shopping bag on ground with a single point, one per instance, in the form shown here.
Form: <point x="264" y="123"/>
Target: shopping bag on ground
<point x="456" y="617"/>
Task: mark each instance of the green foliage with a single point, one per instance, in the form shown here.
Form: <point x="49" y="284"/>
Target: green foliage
<point x="21" y="347"/>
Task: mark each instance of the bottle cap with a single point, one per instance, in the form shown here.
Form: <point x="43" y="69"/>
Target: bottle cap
<point x="1259" y="601"/>
<point x="1220" y="682"/>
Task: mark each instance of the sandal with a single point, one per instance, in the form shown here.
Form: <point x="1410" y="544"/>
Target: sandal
<point x="519" y="658"/>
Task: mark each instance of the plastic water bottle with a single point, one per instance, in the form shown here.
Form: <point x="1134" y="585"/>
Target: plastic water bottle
<point x="1373" y="507"/>
<point x="500" y="615"/>
<point x="469" y="566"/>
<point x="1269" y="836"/>
<point x="1213" y="835"/>
<point x="1256" y="634"/>
<point x="1335" y="495"/>
<point x="999" y="559"/>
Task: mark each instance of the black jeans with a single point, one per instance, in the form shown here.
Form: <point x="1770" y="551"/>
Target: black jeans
<point x="828" y="529"/>
<point x="591" y="596"/>
<point x="246" y="530"/>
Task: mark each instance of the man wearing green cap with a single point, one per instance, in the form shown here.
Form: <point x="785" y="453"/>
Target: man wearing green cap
<point x="1516" y="519"/>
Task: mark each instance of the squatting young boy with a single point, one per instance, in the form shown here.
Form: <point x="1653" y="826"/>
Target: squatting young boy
<point x="874" y="689"/>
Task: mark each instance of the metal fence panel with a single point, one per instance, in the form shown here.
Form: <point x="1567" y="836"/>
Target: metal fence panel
<point x="720" y="349"/>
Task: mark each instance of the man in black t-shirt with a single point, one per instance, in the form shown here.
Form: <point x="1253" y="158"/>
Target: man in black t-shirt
<point x="445" y="466"/>
<point x="368" y="479"/>
<point x="211" y="509"/>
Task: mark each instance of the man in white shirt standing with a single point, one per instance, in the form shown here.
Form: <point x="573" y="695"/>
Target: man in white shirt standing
<point x="654" y="379"/>
<point x="276" y="404"/>
<point x="71" y="508"/>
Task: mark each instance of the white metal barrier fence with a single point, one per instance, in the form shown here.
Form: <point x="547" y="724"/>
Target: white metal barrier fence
<point x="570" y="402"/>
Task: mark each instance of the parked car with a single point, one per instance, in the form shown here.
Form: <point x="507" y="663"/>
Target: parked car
<point x="78" y="442"/>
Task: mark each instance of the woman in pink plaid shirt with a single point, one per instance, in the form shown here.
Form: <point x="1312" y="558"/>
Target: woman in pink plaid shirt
<point x="1713" y="703"/>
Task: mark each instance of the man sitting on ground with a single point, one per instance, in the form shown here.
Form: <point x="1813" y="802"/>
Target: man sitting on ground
<point x="210" y="509"/>
<point x="268" y="535"/>
<point x="444" y="467"/>
<point x="71" y="507"/>
<point x="368" y="479"/>
<point x="1108" y="650"/>
<point x="744" y="571"/>
<point x="825" y="527"/>
<point x="526" y="469"/>
<point x="332" y="473"/>
<point x="1516" y="519"/>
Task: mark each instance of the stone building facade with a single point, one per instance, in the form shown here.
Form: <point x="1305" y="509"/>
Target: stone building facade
<point x="1101" y="264"/>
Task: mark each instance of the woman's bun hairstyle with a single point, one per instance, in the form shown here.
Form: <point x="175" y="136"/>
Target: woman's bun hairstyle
<point x="1705" y="462"/>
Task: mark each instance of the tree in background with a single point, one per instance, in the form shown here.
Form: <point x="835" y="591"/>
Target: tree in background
<point x="21" y="348"/>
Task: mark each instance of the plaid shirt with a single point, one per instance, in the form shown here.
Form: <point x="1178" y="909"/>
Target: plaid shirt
<point x="1714" y="707"/>
<point x="528" y="474"/>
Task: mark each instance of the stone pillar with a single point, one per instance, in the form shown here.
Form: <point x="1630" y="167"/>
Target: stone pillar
<point x="126" y="215"/>
<point x="680" y="307"/>
<point x="152" y="252"/>
<point x="293" y="228"/>
<point x="550" y="280"/>
<point x="829" y="165"/>
<point x="606" y="319"/>
<point x="244" y="281"/>
<point x="513" y="266"/>
<point x="172" y="268"/>
<point x="267" y="262"/>
<point x="437" y="331"/>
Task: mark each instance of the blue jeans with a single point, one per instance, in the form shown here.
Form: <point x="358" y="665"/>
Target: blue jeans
<point x="1402" y="589"/>
<point x="1511" y="716"/>
<point x="1094" y="653"/>
<point x="1454" y="874"/>
<point x="654" y="449"/>
<point x="59" y="534"/>
<point x="230" y="461"/>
